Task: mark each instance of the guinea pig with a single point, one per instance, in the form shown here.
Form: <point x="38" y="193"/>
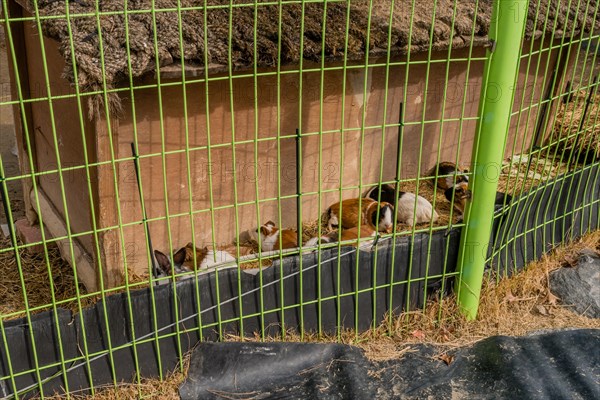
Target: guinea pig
<point x="272" y="238"/>
<point x="451" y="170"/>
<point x="183" y="260"/>
<point x="386" y="216"/>
<point x="411" y="215"/>
<point x="388" y="193"/>
<point x="461" y="195"/>
<point x="368" y="211"/>
<point x="406" y="205"/>
<point x="166" y="268"/>
<point x="347" y="234"/>
<point x="212" y="258"/>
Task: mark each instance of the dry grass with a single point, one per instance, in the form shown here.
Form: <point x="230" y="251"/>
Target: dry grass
<point x="512" y="306"/>
<point x="568" y="121"/>
<point x="564" y="147"/>
<point x="36" y="279"/>
<point x="254" y="264"/>
<point x="167" y="389"/>
<point x="310" y="229"/>
<point x="523" y="172"/>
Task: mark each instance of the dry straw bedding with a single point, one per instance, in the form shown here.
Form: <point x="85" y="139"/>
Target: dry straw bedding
<point x="570" y="118"/>
<point x="39" y="277"/>
<point x="168" y="50"/>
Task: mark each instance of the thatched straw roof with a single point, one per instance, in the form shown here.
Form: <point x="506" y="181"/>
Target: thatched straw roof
<point x="142" y="46"/>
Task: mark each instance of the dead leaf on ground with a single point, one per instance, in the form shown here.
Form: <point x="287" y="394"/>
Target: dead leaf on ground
<point x="446" y="358"/>
<point x="542" y="310"/>
<point x="510" y="298"/>
<point x="552" y="299"/>
<point x="418" y="334"/>
<point x="445" y="334"/>
<point x="569" y="261"/>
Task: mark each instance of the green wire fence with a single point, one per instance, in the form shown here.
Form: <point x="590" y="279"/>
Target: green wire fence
<point x="185" y="159"/>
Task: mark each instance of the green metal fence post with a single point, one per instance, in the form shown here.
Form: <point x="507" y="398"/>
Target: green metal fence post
<point x="499" y="79"/>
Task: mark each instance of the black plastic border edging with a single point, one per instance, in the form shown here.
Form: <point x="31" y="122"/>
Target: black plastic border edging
<point x="522" y="234"/>
<point x="570" y="192"/>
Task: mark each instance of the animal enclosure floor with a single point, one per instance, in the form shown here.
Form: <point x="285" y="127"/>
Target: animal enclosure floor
<point x="40" y="277"/>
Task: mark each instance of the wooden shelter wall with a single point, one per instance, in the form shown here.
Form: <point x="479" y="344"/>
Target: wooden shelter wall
<point x="259" y="117"/>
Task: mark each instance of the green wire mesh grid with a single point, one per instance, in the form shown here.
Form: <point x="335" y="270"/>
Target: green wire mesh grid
<point x="143" y="126"/>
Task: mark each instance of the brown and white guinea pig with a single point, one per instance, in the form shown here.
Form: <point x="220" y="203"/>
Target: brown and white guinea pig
<point x="351" y="213"/>
<point x="183" y="260"/>
<point x="167" y="267"/>
<point x="347" y="234"/>
<point x="272" y="238"/>
<point x="461" y="194"/>
<point x="448" y="172"/>
<point x="407" y="214"/>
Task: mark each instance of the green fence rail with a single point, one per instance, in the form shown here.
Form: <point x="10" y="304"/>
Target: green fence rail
<point x="186" y="160"/>
<point x="500" y="73"/>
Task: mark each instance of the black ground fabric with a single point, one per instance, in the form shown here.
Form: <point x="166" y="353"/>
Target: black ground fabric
<point x="555" y="212"/>
<point x="220" y="303"/>
<point x="556" y="365"/>
<point x="579" y="286"/>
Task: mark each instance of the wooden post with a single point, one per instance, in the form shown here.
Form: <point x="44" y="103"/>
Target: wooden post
<point x="17" y="33"/>
<point x="112" y="257"/>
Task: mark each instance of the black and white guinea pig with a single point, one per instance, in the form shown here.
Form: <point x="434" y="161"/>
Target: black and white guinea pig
<point x="462" y="194"/>
<point x="448" y="174"/>
<point x="502" y="199"/>
<point x="407" y="212"/>
<point x="167" y="267"/>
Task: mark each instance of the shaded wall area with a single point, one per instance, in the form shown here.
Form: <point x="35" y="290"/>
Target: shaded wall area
<point x="348" y="120"/>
